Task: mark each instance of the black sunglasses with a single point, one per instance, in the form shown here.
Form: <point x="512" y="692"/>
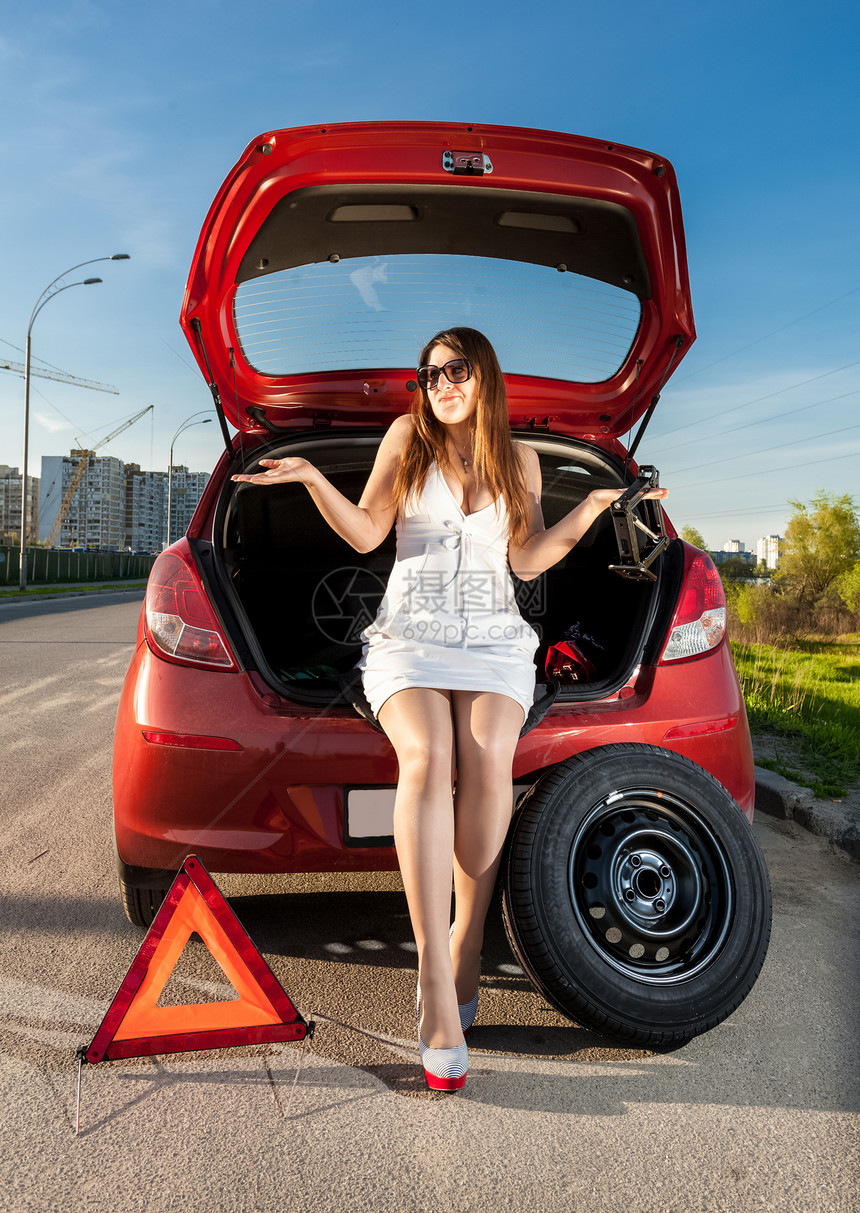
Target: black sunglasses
<point x="458" y="370"/>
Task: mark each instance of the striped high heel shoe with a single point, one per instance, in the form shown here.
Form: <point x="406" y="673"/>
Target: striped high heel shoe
<point x="444" y="1069"/>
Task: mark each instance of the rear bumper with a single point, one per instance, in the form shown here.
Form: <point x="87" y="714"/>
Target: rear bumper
<point x="276" y="804"/>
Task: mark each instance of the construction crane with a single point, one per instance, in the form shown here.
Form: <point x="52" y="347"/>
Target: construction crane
<point x="18" y="368"/>
<point x="83" y="458"/>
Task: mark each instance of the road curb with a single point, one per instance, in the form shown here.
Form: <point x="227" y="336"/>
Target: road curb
<point x="837" y="821"/>
<point x="48" y="597"/>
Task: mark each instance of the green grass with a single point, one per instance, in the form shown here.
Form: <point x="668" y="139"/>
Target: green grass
<point x="821" y="788"/>
<point x="809" y="693"/>
<point x="77" y="589"/>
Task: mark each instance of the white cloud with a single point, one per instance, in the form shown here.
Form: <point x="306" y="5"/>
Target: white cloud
<point x="52" y="424"/>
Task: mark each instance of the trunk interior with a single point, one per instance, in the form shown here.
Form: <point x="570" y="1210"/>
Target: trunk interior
<point x="302" y="595"/>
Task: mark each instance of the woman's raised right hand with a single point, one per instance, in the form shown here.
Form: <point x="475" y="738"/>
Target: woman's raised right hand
<point x="280" y="471"/>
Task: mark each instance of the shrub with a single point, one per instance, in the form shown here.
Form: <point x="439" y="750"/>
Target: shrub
<point x="822" y="544"/>
<point x="757" y="614"/>
<point x="848" y="588"/>
<point x="768" y="613"/>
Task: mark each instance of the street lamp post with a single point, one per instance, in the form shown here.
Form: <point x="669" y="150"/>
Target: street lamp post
<point x="186" y="424"/>
<point x="46" y="295"/>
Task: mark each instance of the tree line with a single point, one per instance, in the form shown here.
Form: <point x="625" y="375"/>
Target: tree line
<point x="815" y="590"/>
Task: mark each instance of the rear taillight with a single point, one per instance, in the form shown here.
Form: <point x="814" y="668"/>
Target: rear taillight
<point x="699" y="623"/>
<point x="180" y="623"/>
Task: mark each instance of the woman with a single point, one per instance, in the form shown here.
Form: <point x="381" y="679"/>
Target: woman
<point x="447" y="664"/>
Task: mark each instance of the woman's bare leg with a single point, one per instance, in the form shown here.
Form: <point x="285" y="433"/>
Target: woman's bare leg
<point x="419" y="725"/>
<point x="487" y="727"/>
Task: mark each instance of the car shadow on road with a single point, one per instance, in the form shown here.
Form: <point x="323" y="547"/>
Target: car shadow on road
<point x="353" y="952"/>
<point x="523" y="1052"/>
<point x="353" y="928"/>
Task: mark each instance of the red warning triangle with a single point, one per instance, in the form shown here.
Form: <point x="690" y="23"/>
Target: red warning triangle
<point x="135" y="1026"/>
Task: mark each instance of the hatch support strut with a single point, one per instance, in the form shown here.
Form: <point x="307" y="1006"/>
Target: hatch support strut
<point x="635" y="555"/>
<point x="213" y="388"/>
<point x="679" y="341"/>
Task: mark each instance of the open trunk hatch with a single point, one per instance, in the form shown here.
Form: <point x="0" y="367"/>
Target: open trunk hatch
<point x="331" y="253"/>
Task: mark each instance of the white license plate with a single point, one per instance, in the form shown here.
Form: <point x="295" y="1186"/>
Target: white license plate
<point x="369" y="815"/>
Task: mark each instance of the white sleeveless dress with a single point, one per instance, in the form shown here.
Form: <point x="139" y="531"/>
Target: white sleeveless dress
<point x="449" y="617"/>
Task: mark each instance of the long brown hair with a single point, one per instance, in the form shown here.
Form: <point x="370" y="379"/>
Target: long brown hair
<point x="496" y="464"/>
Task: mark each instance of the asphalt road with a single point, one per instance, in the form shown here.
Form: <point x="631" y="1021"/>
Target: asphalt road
<point x="759" y="1114"/>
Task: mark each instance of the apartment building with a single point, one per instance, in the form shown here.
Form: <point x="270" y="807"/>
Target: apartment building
<point x="769" y="550"/>
<point x="95" y="517"/>
<point x="10" y="503"/>
<point x="145" y="509"/>
<point x="186" y="490"/>
<point x="116" y="505"/>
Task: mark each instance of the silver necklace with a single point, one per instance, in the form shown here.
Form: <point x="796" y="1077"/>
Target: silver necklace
<point x="462" y="457"/>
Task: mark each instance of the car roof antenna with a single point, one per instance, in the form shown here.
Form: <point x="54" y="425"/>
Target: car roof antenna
<point x="213" y="387"/>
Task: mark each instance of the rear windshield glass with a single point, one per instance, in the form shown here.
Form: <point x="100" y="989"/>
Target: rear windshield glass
<point x="379" y="311"/>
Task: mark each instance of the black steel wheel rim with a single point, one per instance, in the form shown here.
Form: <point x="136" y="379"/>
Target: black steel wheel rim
<point x="650" y="886"/>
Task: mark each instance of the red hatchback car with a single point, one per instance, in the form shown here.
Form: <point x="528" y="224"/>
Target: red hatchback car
<point x="633" y="891"/>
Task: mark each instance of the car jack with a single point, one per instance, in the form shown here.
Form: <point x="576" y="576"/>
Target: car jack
<point x="635" y="555"/>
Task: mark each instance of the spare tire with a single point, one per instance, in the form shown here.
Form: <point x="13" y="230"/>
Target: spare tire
<point x="635" y="895"/>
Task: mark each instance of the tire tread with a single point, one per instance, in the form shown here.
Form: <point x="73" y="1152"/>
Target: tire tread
<point x="141" y="905"/>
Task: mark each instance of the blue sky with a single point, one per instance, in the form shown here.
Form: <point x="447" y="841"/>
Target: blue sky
<point x="120" y="122"/>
